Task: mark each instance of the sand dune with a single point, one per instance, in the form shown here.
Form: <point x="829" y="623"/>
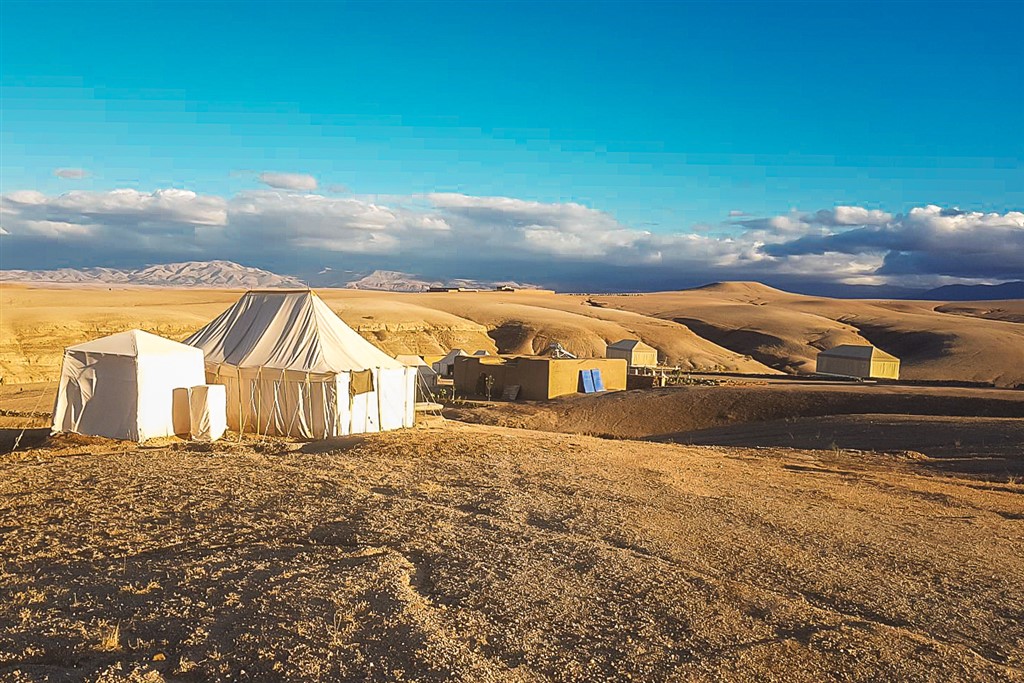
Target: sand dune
<point x="738" y="326"/>
<point x="967" y="342"/>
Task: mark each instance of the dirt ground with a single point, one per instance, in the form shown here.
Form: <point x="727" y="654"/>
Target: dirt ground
<point x="672" y="411"/>
<point x="989" y="448"/>
<point x="475" y="553"/>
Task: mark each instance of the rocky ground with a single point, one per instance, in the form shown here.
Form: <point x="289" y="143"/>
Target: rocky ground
<point x="471" y="552"/>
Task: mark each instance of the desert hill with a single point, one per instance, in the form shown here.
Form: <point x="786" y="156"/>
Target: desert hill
<point x="786" y="331"/>
<point x="736" y="327"/>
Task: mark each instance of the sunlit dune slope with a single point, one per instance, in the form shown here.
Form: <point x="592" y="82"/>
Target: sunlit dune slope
<point x="967" y="342"/>
<point x="736" y="326"/>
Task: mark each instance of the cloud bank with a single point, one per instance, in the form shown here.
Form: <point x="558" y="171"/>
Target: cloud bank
<point x="288" y="181"/>
<point x="461" y="235"/>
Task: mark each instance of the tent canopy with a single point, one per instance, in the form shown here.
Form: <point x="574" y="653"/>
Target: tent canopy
<point x="132" y="343"/>
<point x="287" y="330"/>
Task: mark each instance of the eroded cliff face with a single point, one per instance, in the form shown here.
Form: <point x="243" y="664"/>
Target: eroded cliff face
<point x="424" y="339"/>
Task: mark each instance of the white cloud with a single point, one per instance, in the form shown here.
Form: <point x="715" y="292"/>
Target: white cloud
<point x="927" y="240"/>
<point x="168" y="219"/>
<point x="288" y="181"/>
<point x="852" y="215"/>
<point x="71" y="173"/>
<point x="844" y="244"/>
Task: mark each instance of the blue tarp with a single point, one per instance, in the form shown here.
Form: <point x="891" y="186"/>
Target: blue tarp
<point x="591" y="381"/>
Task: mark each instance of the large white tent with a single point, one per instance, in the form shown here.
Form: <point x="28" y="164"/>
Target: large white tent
<point x="122" y="386"/>
<point x="293" y="367"/>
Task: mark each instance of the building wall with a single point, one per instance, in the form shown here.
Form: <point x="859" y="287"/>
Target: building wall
<point x="645" y="358"/>
<point x="531" y="374"/>
<point x="538" y="378"/>
<point x="851" y="367"/>
<point x="468" y="370"/>
<point x="637" y="357"/>
<point x="885" y="369"/>
<point x="564" y="377"/>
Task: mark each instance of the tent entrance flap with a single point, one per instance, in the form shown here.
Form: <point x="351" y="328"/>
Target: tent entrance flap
<point x="360" y="382"/>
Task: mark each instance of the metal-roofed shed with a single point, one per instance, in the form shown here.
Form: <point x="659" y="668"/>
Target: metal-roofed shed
<point x="635" y="352"/>
<point x="858" y="360"/>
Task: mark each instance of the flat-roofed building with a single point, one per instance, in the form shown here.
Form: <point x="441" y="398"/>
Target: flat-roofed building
<point x="538" y="378"/>
<point x="858" y="360"/>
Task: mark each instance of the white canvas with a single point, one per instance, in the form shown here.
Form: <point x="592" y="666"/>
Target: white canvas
<point x="207" y="412"/>
<point x="122" y="386"/>
<point x="285" y="360"/>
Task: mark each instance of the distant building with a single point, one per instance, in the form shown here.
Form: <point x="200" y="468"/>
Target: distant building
<point x="538" y="378"/>
<point x="635" y="352"/>
<point x="858" y="360"/>
<point x="445" y="367"/>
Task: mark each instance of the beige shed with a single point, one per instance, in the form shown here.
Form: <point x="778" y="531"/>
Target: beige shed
<point x="858" y="360"/>
<point x="635" y="353"/>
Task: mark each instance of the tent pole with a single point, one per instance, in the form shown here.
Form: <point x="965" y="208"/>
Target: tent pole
<point x="258" y="397"/>
<point x="238" y="385"/>
<point x="380" y="411"/>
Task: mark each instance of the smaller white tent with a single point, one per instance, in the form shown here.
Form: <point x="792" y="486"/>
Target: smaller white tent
<point x="122" y="386"/>
<point x="446" y="366"/>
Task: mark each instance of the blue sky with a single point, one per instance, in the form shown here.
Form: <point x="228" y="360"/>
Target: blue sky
<point x="662" y="117"/>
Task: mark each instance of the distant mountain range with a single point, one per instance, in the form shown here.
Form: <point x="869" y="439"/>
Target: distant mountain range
<point x="1007" y="290"/>
<point x="217" y="274"/>
<point x="397" y="281"/>
<point x="230" y="275"/>
<point x="392" y="281"/>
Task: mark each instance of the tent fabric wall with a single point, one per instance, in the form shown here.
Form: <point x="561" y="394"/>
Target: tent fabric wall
<point x="122" y="386"/>
<point x="97" y="395"/>
<point x="200" y="412"/>
<point x="446" y="366"/>
<point x="885" y="369"/>
<point x="426" y="377"/>
<point x="288" y="362"/>
<point x="207" y="412"/>
<point x="280" y="404"/>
